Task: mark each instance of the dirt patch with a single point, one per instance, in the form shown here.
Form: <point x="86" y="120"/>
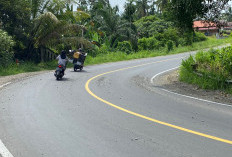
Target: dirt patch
<point x="170" y="82"/>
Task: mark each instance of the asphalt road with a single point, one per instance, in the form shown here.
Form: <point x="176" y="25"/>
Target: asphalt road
<point x="126" y="115"/>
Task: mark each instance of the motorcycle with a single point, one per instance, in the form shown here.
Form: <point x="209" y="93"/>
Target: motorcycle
<point x="59" y="73"/>
<point x="79" y="63"/>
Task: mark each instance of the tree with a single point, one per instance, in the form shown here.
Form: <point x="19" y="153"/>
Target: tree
<point x="60" y="27"/>
<point x="142" y="8"/>
<point x="38" y="7"/>
<point x="183" y="12"/>
<point x="50" y="31"/>
<point x="153" y="7"/>
<point x="83" y="4"/>
<point x="15" y="19"/>
<point x="109" y="21"/>
<point x="129" y="12"/>
<point x="228" y="15"/>
<point x="150" y="25"/>
<point x="161" y="5"/>
<point x="6" y="45"/>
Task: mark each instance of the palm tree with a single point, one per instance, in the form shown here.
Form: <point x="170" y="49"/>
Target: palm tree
<point x="142" y="8"/>
<point x="115" y="28"/>
<point x="162" y="4"/>
<point x="49" y="31"/>
<point x="129" y="12"/>
<point x="38" y="7"/>
<point x="56" y="7"/>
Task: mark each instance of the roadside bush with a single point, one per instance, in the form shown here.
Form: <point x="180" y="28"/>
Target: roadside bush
<point x="171" y="34"/>
<point x="152" y="43"/>
<point x="188" y="37"/>
<point x="187" y="64"/>
<point x="159" y="37"/>
<point x="170" y="45"/>
<point x="6" y="45"/>
<point x="103" y="49"/>
<point x="142" y="44"/>
<point x="168" y="39"/>
<point x="149" y="44"/>
<point x="199" y="37"/>
<point x="124" y="46"/>
<point x="182" y="42"/>
<point x="213" y="68"/>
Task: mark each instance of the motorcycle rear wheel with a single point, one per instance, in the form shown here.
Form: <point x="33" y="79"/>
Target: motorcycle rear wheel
<point x="57" y="75"/>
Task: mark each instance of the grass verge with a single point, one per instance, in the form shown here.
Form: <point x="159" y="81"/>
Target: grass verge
<point x="120" y="56"/>
<point x="209" y="70"/>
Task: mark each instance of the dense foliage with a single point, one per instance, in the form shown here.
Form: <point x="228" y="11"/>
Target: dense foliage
<point x="150" y="25"/>
<point x="124" y="46"/>
<point x="6" y="45"/>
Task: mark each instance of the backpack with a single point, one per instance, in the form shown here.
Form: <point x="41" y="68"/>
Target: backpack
<point x="76" y="55"/>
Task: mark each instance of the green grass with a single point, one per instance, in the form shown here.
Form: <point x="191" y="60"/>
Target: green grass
<point x="203" y="82"/>
<point x="114" y="57"/>
<point x="120" y="56"/>
<point x="26" y="67"/>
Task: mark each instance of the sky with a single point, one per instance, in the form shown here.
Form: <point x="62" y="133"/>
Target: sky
<point x="120" y="4"/>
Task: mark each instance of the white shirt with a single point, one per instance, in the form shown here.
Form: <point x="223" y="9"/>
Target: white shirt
<point x="62" y="61"/>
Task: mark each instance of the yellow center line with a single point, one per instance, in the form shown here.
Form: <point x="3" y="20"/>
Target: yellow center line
<point x="145" y="117"/>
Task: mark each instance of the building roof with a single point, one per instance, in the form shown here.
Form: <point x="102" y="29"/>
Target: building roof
<point x="203" y="24"/>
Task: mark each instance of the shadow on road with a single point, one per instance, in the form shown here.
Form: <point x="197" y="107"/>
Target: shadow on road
<point x="65" y="79"/>
<point x="83" y="71"/>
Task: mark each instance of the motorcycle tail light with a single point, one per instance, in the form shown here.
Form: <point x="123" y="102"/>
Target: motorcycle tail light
<point x="60" y="66"/>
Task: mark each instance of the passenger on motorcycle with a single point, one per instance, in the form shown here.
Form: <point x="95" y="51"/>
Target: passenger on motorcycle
<point x="76" y="56"/>
<point x="79" y="56"/>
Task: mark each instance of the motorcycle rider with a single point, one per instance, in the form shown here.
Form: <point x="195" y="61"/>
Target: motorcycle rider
<point x="62" y="59"/>
<point x="81" y="56"/>
<point x="78" y="56"/>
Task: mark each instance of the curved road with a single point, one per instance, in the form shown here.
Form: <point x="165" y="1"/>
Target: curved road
<point x="118" y="113"/>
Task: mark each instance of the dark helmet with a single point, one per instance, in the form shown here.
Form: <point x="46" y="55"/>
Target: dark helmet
<point x="63" y="54"/>
<point x="80" y="49"/>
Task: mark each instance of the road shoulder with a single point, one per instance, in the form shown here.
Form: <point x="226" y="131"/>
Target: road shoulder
<point x="5" y="80"/>
<point x="170" y="82"/>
